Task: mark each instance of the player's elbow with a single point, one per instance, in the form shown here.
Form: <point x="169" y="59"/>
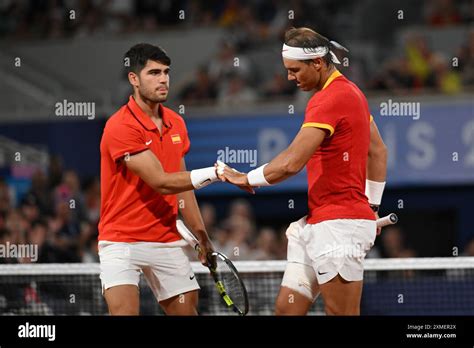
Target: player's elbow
<point x="290" y="168"/>
<point x="379" y="152"/>
<point x="160" y="185"/>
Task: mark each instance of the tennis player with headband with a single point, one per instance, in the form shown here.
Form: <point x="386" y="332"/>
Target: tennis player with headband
<point x="346" y="161"/>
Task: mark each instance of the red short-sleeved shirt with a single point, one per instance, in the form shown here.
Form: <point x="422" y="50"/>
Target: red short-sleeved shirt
<point x="131" y="211"/>
<point x="337" y="170"/>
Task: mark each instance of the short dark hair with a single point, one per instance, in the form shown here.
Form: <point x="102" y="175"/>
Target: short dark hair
<point x="139" y="55"/>
<point x="308" y="38"/>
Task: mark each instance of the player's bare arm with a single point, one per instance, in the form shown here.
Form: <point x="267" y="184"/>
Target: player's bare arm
<point x="147" y="166"/>
<point x="288" y="163"/>
<point x="376" y="169"/>
<point x="189" y="210"/>
<point x="377" y="160"/>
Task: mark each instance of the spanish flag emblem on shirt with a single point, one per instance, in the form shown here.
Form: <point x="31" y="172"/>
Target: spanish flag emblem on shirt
<point x="176" y="139"/>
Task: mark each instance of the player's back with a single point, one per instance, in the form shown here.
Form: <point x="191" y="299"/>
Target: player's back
<point x="337" y="170"/>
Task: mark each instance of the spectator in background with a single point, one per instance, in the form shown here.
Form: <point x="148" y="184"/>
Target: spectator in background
<point x="65" y="230"/>
<point x="236" y="93"/>
<point x="29" y="209"/>
<point x="208" y="213"/>
<point x="88" y="246"/>
<point x="240" y="232"/>
<point x="278" y="86"/>
<point x="393" y="243"/>
<point x="4" y="238"/>
<point x="55" y="171"/>
<point x="41" y="193"/>
<point x="228" y="63"/>
<point x="17" y="226"/>
<point x="266" y="246"/>
<point x="241" y="208"/>
<point x="466" y="59"/>
<point x="443" y="13"/>
<point x="447" y="80"/>
<point x="201" y="91"/>
<point x="92" y="200"/>
<point x="419" y="59"/>
<point x="40" y="236"/>
<point x="469" y="248"/>
<point x="77" y="204"/>
<point x="395" y="76"/>
<point x="5" y="197"/>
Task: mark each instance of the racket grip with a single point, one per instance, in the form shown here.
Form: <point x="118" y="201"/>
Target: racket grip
<point x="187" y="235"/>
<point x="390" y="219"/>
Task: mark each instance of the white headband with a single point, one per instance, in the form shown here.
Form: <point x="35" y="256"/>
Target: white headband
<point x="304" y="53"/>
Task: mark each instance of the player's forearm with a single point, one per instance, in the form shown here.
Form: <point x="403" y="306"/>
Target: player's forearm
<point x="282" y="167"/>
<point x="191" y="214"/>
<point x="377" y="164"/>
<point x="173" y="183"/>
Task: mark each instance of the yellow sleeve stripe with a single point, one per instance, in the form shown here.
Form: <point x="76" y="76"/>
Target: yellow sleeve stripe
<point x="319" y="125"/>
<point x="371" y="118"/>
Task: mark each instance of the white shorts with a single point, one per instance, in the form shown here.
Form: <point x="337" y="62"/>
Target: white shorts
<point x="324" y="250"/>
<point x="165" y="266"/>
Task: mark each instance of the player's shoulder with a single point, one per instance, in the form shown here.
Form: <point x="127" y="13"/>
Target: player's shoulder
<point x="174" y="116"/>
<point x="339" y="89"/>
<point x="121" y="121"/>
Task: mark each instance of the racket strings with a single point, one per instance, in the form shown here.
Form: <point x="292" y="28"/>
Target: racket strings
<point x="232" y="285"/>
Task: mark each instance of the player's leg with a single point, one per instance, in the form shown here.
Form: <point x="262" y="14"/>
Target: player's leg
<point x="341" y="297"/>
<point x="299" y="287"/>
<point x="172" y="280"/>
<point x="120" y="277"/>
<point x="182" y="304"/>
<point x="123" y="300"/>
<point x="337" y="249"/>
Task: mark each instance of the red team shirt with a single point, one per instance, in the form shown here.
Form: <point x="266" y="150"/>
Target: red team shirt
<point x="337" y="170"/>
<point x="131" y="211"/>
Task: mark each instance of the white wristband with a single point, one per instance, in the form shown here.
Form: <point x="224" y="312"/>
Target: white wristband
<point x="256" y="178"/>
<point x="374" y="191"/>
<point x="203" y="177"/>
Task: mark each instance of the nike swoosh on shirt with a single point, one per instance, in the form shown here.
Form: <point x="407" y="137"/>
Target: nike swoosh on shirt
<point x="148" y="142"/>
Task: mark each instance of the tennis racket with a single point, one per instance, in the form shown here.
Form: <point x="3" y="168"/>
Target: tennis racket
<point x="229" y="285"/>
<point x="390" y="219"/>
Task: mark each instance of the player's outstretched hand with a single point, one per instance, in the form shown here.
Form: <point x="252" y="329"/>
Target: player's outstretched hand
<point x="230" y="175"/>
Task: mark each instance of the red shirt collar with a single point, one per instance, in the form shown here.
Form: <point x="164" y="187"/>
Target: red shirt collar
<point x="143" y="118"/>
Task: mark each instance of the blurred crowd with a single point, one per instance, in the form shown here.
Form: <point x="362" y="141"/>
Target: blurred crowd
<point x="420" y="68"/>
<point x="57" y="214"/>
<point x="244" y="69"/>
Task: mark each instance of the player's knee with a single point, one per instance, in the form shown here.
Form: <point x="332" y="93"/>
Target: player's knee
<point x="334" y="308"/>
<point x="281" y="307"/>
<point x="123" y="309"/>
<point x="183" y="304"/>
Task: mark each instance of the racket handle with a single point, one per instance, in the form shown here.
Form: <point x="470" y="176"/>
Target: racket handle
<point x="390" y="219"/>
<point x="187" y="235"/>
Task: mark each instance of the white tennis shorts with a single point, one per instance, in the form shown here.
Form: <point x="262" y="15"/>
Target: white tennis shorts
<point x="166" y="268"/>
<point x="319" y="252"/>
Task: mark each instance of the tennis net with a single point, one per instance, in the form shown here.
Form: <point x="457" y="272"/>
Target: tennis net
<point x="417" y="286"/>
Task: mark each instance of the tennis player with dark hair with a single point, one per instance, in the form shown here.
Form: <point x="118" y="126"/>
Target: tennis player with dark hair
<point x="143" y="177"/>
<point x="346" y="161"/>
